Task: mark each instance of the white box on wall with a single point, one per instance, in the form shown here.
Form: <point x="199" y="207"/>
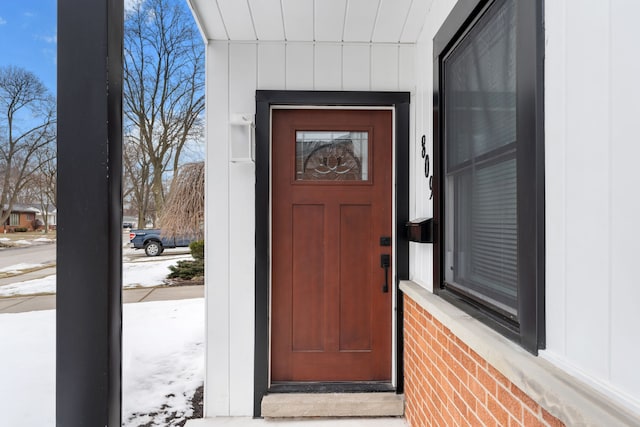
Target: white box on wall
<point x="241" y="149"/>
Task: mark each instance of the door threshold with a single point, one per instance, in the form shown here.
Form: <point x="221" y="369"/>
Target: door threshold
<point x="330" y="387"/>
<point x="329" y="405"/>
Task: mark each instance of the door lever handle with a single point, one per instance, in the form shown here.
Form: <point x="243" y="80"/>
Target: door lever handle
<point x="385" y="262"/>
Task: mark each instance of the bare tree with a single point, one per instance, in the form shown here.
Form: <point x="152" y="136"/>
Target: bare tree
<point x="183" y="212"/>
<point x="137" y="180"/>
<point x="27" y="127"/>
<point x="45" y="183"/>
<point x="41" y="188"/>
<point x="163" y="91"/>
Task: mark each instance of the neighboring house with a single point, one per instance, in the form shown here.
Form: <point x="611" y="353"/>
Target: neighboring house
<point x="22" y="216"/>
<point x="513" y="124"/>
<point x="52" y="216"/>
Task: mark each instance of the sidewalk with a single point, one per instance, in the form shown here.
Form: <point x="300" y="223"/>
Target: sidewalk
<point x="48" y="302"/>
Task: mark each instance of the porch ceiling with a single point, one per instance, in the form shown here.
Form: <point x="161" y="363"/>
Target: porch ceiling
<point x="350" y="21"/>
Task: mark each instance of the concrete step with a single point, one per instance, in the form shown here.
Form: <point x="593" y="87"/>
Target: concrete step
<point x="299" y="405"/>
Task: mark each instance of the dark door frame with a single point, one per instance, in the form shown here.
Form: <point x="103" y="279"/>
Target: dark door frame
<point x="265" y="99"/>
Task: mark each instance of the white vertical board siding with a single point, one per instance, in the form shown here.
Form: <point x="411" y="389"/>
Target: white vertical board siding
<point x="242" y="86"/>
<point x="591" y="142"/>
<point x="587" y="145"/>
<point x="328" y="67"/>
<point x="407" y="69"/>
<point x="356" y="67"/>
<point x="234" y="71"/>
<point x="217" y="230"/>
<point x="299" y="66"/>
<point x="555" y="189"/>
<point x="407" y="80"/>
<point x="625" y="196"/>
<point x="271" y="63"/>
<point x="384" y="67"/>
<point x="421" y="255"/>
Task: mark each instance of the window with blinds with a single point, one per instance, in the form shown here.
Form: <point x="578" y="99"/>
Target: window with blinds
<point x="480" y="169"/>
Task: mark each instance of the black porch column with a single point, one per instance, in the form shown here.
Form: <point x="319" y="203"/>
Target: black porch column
<point x="89" y="252"/>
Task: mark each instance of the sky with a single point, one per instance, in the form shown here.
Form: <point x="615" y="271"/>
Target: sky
<point x="28" y="37"/>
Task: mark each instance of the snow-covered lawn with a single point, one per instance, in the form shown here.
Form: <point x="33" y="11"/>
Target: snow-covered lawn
<point x="44" y="240"/>
<point x="163" y="363"/>
<point x="21" y="242"/>
<point x="30" y="287"/>
<point x="26" y="239"/>
<point x="145" y="273"/>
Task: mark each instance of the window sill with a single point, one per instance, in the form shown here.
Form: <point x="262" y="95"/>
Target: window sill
<point x="565" y="397"/>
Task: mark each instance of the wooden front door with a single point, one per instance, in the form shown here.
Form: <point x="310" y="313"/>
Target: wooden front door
<point x="332" y="222"/>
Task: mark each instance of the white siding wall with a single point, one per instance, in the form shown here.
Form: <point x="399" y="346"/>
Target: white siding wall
<point x="592" y="145"/>
<point x="593" y="190"/>
<point x="421" y="264"/>
<point x="234" y="71"/>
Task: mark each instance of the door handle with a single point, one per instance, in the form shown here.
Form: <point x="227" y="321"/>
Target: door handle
<point x="385" y="262"/>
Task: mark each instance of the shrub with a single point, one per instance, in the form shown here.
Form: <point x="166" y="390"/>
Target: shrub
<point x="197" y="249"/>
<point x="20" y="229"/>
<point x="187" y="269"/>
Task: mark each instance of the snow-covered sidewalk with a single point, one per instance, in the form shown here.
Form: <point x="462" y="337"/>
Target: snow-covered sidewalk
<point x="24" y="242"/>
<point x="163" y="364"/>
<point x="147" y="272"/>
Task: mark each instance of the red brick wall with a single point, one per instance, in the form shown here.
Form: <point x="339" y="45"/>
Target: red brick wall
<point x="26" y="220"/>
<point x="448" y="384"/>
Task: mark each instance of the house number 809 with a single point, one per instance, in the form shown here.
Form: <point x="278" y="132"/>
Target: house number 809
<point x="425" y="156"/>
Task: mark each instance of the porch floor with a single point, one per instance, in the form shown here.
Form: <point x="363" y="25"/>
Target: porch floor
<point x="308" y="422"/>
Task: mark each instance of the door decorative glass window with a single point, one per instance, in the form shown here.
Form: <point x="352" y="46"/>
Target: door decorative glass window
<point x="332" y="156"/>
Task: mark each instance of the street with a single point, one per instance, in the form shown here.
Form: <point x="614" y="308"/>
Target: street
<point x="46" y="254"/>
<point x="34" y="254"/>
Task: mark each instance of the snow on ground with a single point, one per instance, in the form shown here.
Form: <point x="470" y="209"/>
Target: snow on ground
<point x="27" y="369"/>
<point x="163" y="359"/>
<point x="30" y="287"/>
<point x="163" y="363"/>
<point x="17" y="268"/>
<point x="4" y="239"/>
<point x="44" y="240"/>
<point x="148" y="273"/>
<point x="21" y="243"/>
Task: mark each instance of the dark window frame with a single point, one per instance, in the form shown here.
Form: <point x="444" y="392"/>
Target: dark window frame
<point x="529" y="331"/>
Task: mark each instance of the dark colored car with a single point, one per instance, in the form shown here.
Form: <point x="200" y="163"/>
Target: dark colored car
<point x="154" y="243"/>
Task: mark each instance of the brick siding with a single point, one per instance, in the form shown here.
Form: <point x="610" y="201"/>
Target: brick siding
<point x="448" y="384"/>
